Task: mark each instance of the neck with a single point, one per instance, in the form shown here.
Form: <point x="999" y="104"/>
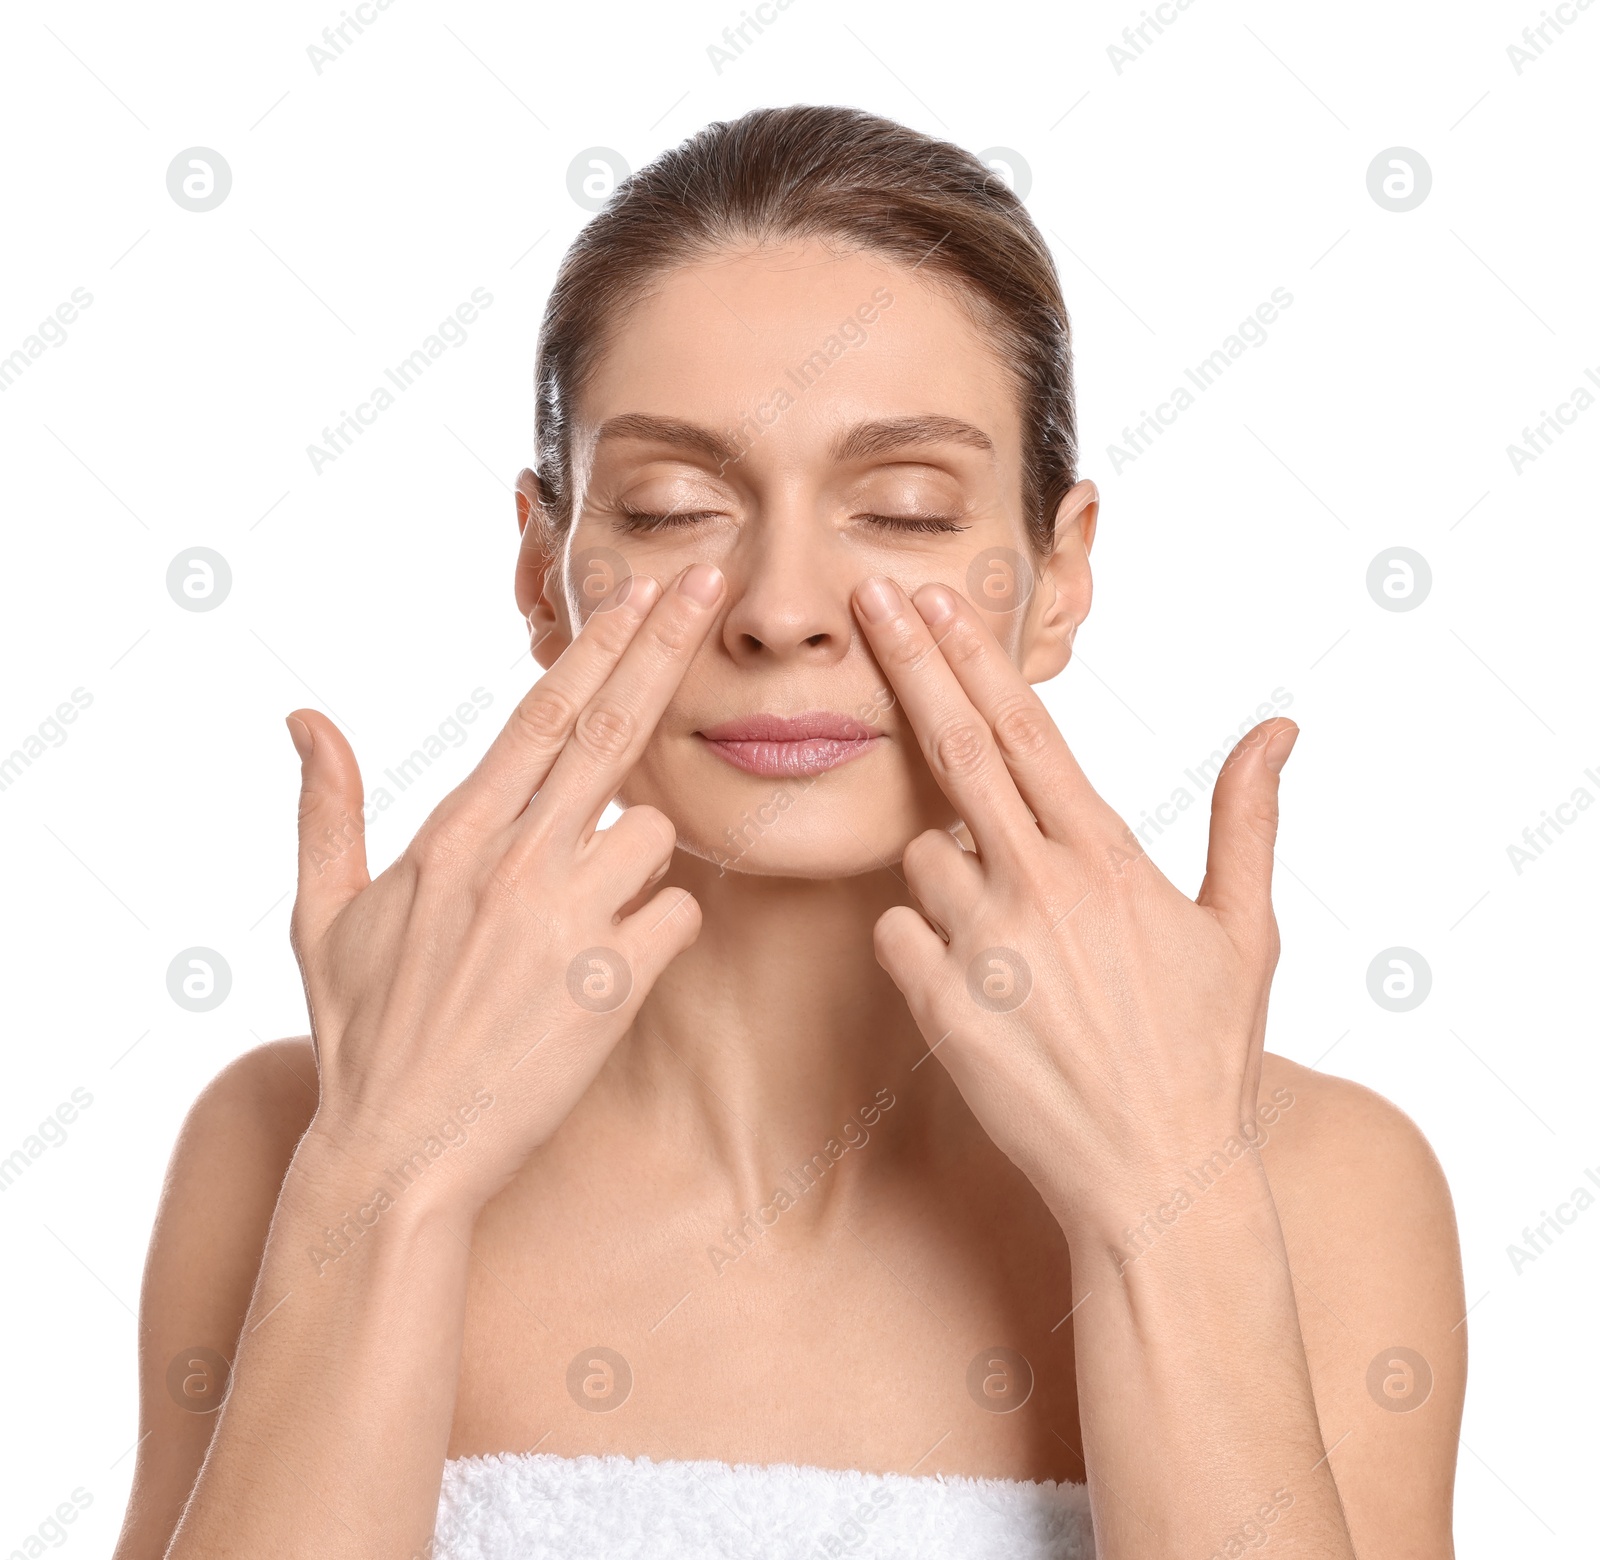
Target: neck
<point x="776" y="1033"/>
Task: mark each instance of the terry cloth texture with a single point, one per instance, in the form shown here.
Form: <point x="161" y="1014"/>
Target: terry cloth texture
<point x="536" y="1506"/>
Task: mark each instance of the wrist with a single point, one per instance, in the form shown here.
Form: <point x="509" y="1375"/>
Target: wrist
<point x="1131" y="1216"/>
<point x="342" y="1182"/>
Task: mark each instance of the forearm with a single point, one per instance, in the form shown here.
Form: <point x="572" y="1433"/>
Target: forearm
<point x="333" y="1437"/>
<point x="1200" y="1429"/>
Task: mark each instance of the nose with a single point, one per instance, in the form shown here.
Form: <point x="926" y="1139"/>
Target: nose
<point x="789" y="590"/>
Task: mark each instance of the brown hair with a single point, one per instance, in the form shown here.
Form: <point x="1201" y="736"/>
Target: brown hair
<point x="816" y="172"/>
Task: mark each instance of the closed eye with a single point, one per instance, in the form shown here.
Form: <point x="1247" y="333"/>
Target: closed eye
<point x="646" y="521"/>
<point x="947" y="524"/>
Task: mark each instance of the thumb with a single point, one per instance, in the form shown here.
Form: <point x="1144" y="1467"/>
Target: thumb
<point x="333" y="844"/>
<point x="1244" y="827"/>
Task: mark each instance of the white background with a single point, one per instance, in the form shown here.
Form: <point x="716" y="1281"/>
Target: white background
<point x="430" y="158"/>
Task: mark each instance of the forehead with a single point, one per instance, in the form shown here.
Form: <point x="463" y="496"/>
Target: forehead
<point x="842" y="336"/>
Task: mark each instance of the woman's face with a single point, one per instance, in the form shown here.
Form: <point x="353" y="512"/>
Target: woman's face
<point x="804" y="419"/>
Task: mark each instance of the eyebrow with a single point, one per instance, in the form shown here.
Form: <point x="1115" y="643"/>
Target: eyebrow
<point x="668" y="430"/>
<point x="897" y="433"/>
<point x="881" y="437"/>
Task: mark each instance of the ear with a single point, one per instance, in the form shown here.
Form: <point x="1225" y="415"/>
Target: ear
<point x="538" y="580"/>
<point x="1064" y="590"/>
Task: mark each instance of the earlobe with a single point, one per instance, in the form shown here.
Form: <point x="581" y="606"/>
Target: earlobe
<point x="546" y="636"/>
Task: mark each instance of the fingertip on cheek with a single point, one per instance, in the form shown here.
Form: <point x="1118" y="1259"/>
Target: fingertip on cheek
<point x="638" y="593"/>
<point x="878" y="598"/>
<point x="702" y="583"/>
<point x="935" y="603"/>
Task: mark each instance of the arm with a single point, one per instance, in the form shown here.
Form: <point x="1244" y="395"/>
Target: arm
<point x="332" y="1441"/>
<point x="1199" y="1419"/>
<point x="244" y="1198"/>
<point x="1329" y="1283"/>
<point x="216" y="1206"/>
<point x="1371" y="1236"/>
<point x="509" y="926"/>
<point x="1107" y="1032"/>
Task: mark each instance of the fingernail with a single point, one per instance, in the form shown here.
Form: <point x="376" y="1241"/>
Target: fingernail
<point x="880" y="599"/>
<point x="935" y="603"/>
<point x="702" y="583"/>
<point x="1280" y="747"/>
<point x="300" y="735"/>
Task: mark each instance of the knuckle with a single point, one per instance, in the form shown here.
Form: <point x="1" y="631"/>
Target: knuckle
<point x="661" y="827"/>
<point x="1274" y="941"/>
<point x="682" y="915"/>
<point x="670" y="920"/>
<point x="516" y="877"/>
<point x="310" y="803"/>
<point x="672" y="637"/>
<point x="961" y="643"/>
<point x="901" y="648"/>
<point x="1022" y="728"/>
<point x="423" y="850"/>
<point x="958" y="748"/>
<point x="605" y="730"/>
<point x="924" y="852"/>
<point x="1261" y="818"/>
<point x="438" y="845"/>
<point x="613" y="630"/>
<point x="543" y="717"/>
<point x="1123" y="852"/>
<point x="322" y="846"/>
<point x="893" y="932"/>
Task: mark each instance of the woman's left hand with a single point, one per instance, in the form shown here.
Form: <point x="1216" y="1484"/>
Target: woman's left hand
<point x="1105" y="1029"/>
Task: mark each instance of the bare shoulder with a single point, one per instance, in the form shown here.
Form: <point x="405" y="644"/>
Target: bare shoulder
<point x="217" y="1203"/>
<point x="260" y="1102"/>
<point x="1370" y="1230"/>
<point x="1343" y="1160"/>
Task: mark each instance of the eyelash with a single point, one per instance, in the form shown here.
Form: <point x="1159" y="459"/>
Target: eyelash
<point x="643" y="520"/>
<point x="933" y="524"/>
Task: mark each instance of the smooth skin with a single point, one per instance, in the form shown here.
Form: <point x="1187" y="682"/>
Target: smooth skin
<point x="662" y="1038"/>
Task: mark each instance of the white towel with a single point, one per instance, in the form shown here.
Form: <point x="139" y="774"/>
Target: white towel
<point x="536" y="1506"/>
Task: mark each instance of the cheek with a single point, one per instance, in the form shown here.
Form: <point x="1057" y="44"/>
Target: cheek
<point x="1010" y="629"/>
<point x="1000" y="581"/>
<point x="607" y="555"/>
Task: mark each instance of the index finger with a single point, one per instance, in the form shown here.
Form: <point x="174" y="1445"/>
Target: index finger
<point x="611" y="732"/>
<point x="955" y="738"/>
<point x="520" y="758"/>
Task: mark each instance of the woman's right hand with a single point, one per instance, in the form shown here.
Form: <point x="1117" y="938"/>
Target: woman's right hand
<point x="463" y="1001"/>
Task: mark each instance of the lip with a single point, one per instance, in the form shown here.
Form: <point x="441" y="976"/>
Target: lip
<point x="790" y="745"/>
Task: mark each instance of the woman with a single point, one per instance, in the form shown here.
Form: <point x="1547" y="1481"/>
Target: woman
<point x="860" y="1144"/>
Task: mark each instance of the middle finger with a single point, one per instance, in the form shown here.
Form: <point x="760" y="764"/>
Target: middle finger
<point x="955" y="739"/>
<point x="611" y="732"/>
